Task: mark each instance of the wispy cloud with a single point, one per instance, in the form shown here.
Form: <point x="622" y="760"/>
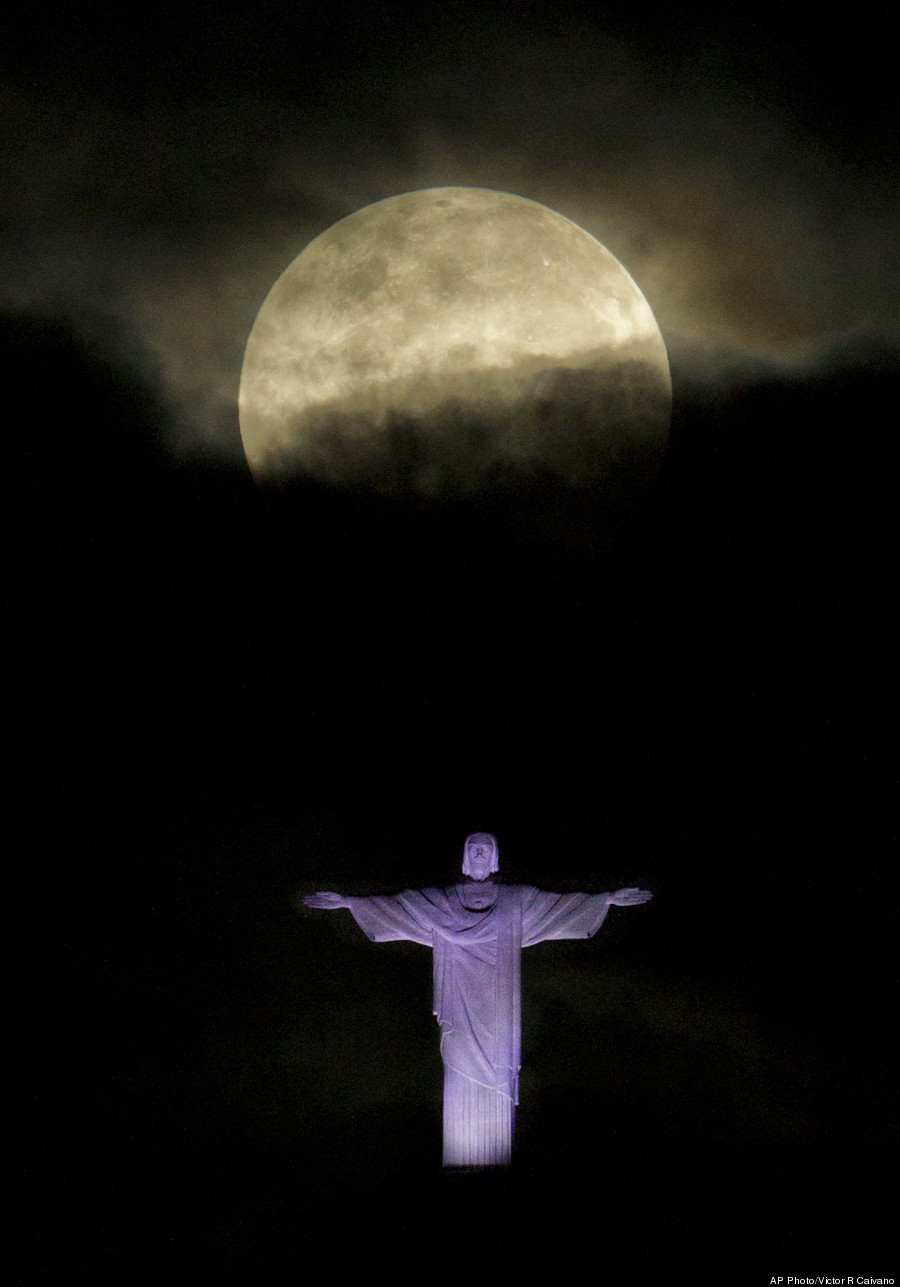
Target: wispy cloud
<point x="752" y="242"/>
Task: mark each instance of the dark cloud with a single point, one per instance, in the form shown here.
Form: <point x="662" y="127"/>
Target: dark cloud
<point x="528" y="432"/>
<point x="224" y="701"/>
<point x="167" y="181"/>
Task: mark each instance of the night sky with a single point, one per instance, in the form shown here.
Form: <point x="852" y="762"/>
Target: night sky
<point x="224" y="700"/>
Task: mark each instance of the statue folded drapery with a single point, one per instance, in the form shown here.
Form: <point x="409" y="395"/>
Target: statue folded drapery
<point x="477" y="993"/>
<point x="476" y="931"/>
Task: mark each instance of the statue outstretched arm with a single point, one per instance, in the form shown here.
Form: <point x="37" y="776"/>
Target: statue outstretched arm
<point x="628" y="897"/>
<point x="384" y="918"/>
<point x="326" y="900"/>
<point x="546" y="915"/>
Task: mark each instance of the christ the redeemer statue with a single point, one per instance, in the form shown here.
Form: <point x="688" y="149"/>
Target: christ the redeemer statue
<point x="477" y="930"/>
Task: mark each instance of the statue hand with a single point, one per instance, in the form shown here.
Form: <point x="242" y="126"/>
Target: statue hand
<point x="327" y="900"/>
<point x="629" y="897"/>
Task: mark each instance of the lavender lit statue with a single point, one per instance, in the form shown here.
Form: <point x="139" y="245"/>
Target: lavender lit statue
<point x="477" y="930"/>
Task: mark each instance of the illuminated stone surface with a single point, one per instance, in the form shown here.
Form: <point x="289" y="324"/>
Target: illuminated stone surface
<point x="477" y="930"/>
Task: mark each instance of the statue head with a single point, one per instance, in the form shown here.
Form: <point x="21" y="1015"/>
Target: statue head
<point x="480" y="855"/>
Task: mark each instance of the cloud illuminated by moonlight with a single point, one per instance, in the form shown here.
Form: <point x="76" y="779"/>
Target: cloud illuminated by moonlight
<point x="452" y="341"/>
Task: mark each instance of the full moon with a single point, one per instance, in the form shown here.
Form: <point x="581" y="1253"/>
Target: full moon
<point x="453" y="343"/>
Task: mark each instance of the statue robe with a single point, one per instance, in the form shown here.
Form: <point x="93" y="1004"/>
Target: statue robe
<point x="477" y="992"/>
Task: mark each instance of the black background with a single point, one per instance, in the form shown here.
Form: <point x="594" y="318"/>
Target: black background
<point x="229" y="701"/>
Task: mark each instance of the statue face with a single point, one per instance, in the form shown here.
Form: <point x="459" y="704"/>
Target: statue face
<point x="480" y="858"/>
